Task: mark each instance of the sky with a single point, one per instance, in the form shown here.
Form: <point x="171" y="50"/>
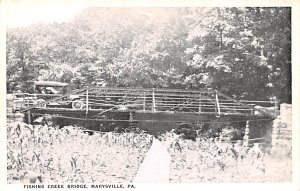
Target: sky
<point x="19" y="13"/>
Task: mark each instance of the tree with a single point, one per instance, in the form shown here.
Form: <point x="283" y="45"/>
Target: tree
<point x="21" y="61"/>
<point x="243" y="52"/>
<point x="229" y="53"/>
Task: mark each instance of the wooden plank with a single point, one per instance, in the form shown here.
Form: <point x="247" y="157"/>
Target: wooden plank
<point x="161" y="95"/>
<point x="235" y="109"/>
<point x="234" y="106"/>
<point x="149" y="90"/>
<point x="156" y="165"/>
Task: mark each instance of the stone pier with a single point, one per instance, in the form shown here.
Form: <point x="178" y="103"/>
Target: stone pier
<point x="282" y="131"/>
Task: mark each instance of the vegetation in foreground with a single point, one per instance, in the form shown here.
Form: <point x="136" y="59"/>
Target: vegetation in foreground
<point x="210" y="160"/>
<point x="49" y="155"/>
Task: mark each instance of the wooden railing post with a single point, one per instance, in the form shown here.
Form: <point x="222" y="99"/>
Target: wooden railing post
<point x="200" y="103"/>
<point x="275" y="107"/>
<point x="217" y="105"/>
<point x="87" y="101"/>
<point x="153" y="101"/>
<point x="144" y="104"/>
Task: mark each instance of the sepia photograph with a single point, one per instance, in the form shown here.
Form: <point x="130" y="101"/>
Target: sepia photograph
<point x="110" y="97"/>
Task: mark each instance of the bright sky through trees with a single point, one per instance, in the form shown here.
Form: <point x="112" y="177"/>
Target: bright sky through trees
<point x="26" y="12"/>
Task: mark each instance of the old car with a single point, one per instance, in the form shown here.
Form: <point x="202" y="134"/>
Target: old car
<point x="42" y="93"/>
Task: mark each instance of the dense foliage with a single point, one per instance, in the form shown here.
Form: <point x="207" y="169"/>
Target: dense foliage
<point x="244" y="52"/>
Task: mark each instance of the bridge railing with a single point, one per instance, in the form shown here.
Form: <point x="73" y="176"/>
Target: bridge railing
<point x="164" y="100"/>
<point x="248" y="107"/>
<point x="157" y="100"/>
<point x="150" y="99"/>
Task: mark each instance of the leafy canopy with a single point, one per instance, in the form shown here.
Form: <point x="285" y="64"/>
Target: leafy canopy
<point x="244" y="52"/>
